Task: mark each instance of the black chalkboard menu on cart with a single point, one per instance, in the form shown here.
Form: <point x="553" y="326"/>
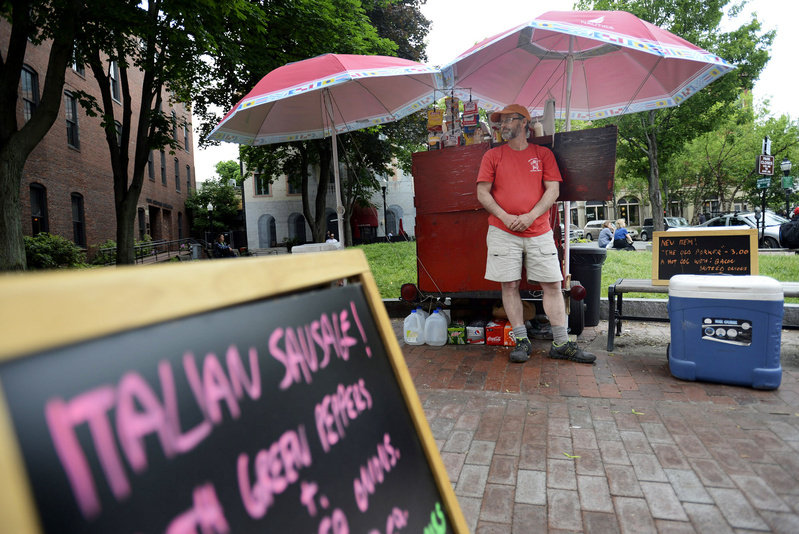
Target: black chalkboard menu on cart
<point x="253" y="395"/>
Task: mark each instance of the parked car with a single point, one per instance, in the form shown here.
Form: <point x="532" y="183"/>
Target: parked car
<point x="592" y="229"/>
<point x="771" y="238"/>
<point x="668" y="222"/>
<point x="575" y="233"/>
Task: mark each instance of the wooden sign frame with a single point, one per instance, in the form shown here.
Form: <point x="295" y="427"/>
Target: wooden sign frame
<point x="47" y="311"/>
<point x="698" y="246"/>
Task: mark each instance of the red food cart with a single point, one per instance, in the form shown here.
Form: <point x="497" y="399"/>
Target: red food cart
<point x="451" y="224"/>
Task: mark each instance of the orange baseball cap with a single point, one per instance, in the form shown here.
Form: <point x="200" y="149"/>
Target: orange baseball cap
<point x="513" y="108"/>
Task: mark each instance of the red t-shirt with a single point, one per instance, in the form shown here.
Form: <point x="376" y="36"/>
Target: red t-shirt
<point x="517" y="178"/>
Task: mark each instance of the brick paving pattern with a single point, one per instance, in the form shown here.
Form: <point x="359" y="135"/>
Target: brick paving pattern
<point x="618" y="446"/>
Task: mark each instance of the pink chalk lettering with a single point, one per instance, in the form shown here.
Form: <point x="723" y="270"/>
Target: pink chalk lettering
<point x="308" y="491"/>
<point x="335" y="412"/>
<point x="217" y="387"/>
<point x="295" y="348"/>
<point x="195" y="383"/>
<point x="62" y="418"/>
<point x="238" y="376"/>
<point x="373" y="473"/>
<point x="276" y="468"/>
<point x="360" y="328"/>
<point x="329" y="334"/>
<point x="182" y="441"/>
<point x="397" y="520"/>
<point x="207" y="514"/>
<point x="133" y="425"/>
<point x="139" y="413"/>
<point x="336" y="523"/>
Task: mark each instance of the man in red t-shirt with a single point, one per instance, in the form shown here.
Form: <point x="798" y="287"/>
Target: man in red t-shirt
<point x="517" y="184"/>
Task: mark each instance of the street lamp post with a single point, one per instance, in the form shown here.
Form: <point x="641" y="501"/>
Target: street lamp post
<point x="787" y="184"/>
<point x="384" y="185"/>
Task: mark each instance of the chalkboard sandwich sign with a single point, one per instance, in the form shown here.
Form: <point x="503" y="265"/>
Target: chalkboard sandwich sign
<point x="258" y="395"/>
<point x="716" y="251"/>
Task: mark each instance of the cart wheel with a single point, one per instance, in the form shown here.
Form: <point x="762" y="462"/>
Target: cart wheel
<point x="576" y="317"/>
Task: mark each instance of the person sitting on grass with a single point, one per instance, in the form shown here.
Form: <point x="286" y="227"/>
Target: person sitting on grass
<point x="622" y="240"/>
<point x="606" y="235"/>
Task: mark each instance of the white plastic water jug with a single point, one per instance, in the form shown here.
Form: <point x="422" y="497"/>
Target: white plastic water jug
<point x="421" y="312"/>
<point x="435" y="329"/>
<point x="414" y="329"/>
<point x="446" y="313"/>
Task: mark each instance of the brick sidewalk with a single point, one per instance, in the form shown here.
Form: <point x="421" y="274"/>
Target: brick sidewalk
<point x="618" y="446"/>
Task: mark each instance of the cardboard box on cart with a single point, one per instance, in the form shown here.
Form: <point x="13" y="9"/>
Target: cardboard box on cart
<point x="499" y="332"/>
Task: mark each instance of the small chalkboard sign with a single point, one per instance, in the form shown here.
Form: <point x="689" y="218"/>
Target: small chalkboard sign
<point x="254" y="395"/>
<point x="716" y="251"/>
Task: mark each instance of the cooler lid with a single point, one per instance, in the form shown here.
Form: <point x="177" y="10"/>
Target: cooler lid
<point x="730" y="287"/>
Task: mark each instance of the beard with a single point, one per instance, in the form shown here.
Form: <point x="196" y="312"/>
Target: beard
<point x="511" y="132"/>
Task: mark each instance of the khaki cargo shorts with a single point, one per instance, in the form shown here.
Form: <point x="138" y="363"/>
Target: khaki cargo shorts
<point x="506" y="251"/>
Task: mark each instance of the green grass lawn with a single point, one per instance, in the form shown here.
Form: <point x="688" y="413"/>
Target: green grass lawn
<point x="394" y="264"/>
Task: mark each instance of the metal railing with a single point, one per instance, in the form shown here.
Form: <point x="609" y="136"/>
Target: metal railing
<point x="155" y="251"/>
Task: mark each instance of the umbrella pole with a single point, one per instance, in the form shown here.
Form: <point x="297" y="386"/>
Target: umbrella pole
<point x="566" y="203"/>
<point x="336" y="178"/>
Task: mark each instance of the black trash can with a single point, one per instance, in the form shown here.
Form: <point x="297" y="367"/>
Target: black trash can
<point x="586" y="261"/>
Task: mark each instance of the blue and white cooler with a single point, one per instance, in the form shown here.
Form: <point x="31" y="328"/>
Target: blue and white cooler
<point x="726" y="329"/>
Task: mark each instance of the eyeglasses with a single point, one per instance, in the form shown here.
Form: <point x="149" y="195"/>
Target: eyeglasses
<point x="510" y="120"/>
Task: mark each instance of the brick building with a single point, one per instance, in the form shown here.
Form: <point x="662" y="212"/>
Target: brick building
<point x="67" y="186"/>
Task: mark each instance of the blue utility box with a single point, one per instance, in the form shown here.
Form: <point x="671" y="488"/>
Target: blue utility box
<point x="726" y="329"/>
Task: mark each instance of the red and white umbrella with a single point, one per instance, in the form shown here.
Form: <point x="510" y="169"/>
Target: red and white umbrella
<point x="595" y="64"/>
<point x="328" y="95"/>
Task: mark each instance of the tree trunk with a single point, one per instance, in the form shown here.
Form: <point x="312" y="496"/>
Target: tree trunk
<point x="12" y="246"/>
<point x="655" y="200"/>
<point x="16" y="144"/>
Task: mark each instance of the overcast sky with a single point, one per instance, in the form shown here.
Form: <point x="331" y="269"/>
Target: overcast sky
<point x="458" y="25"/>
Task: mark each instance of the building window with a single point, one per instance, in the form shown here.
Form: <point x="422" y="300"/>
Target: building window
<point x="291" y="188"/>
<point x="180" y="225"/>
<point x="118" y="127"/>
<point x="186" y="137"/>
<point x="30" y="91"/>
<point x="188" y="179"/>
<point x="142" y="224"/>
<point x="73" y="134"/>
<point x="39" y="220"/>
<point x="113" y="77"/>
<point x="174" y="126"/>
<point x="177" y="175"/>
<point x="78" y="221"/>
<point x="151" y="167"/>
<point x="163" y="168"/>
<point x="77" y="66"/>
<point x="594" y="211"/>
<point x="629" y="211"/>
<point x="261" y="184"/>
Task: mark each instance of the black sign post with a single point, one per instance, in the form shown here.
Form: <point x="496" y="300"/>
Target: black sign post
<point x="765" y="167"/>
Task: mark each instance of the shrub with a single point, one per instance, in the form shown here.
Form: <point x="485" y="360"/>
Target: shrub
<point x="47" y="251"/>
<point x="105" y="257"/>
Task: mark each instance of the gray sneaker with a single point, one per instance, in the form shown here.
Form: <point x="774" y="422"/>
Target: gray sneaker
<point x="570" y="351"/>
<point x="521" y="353"/>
